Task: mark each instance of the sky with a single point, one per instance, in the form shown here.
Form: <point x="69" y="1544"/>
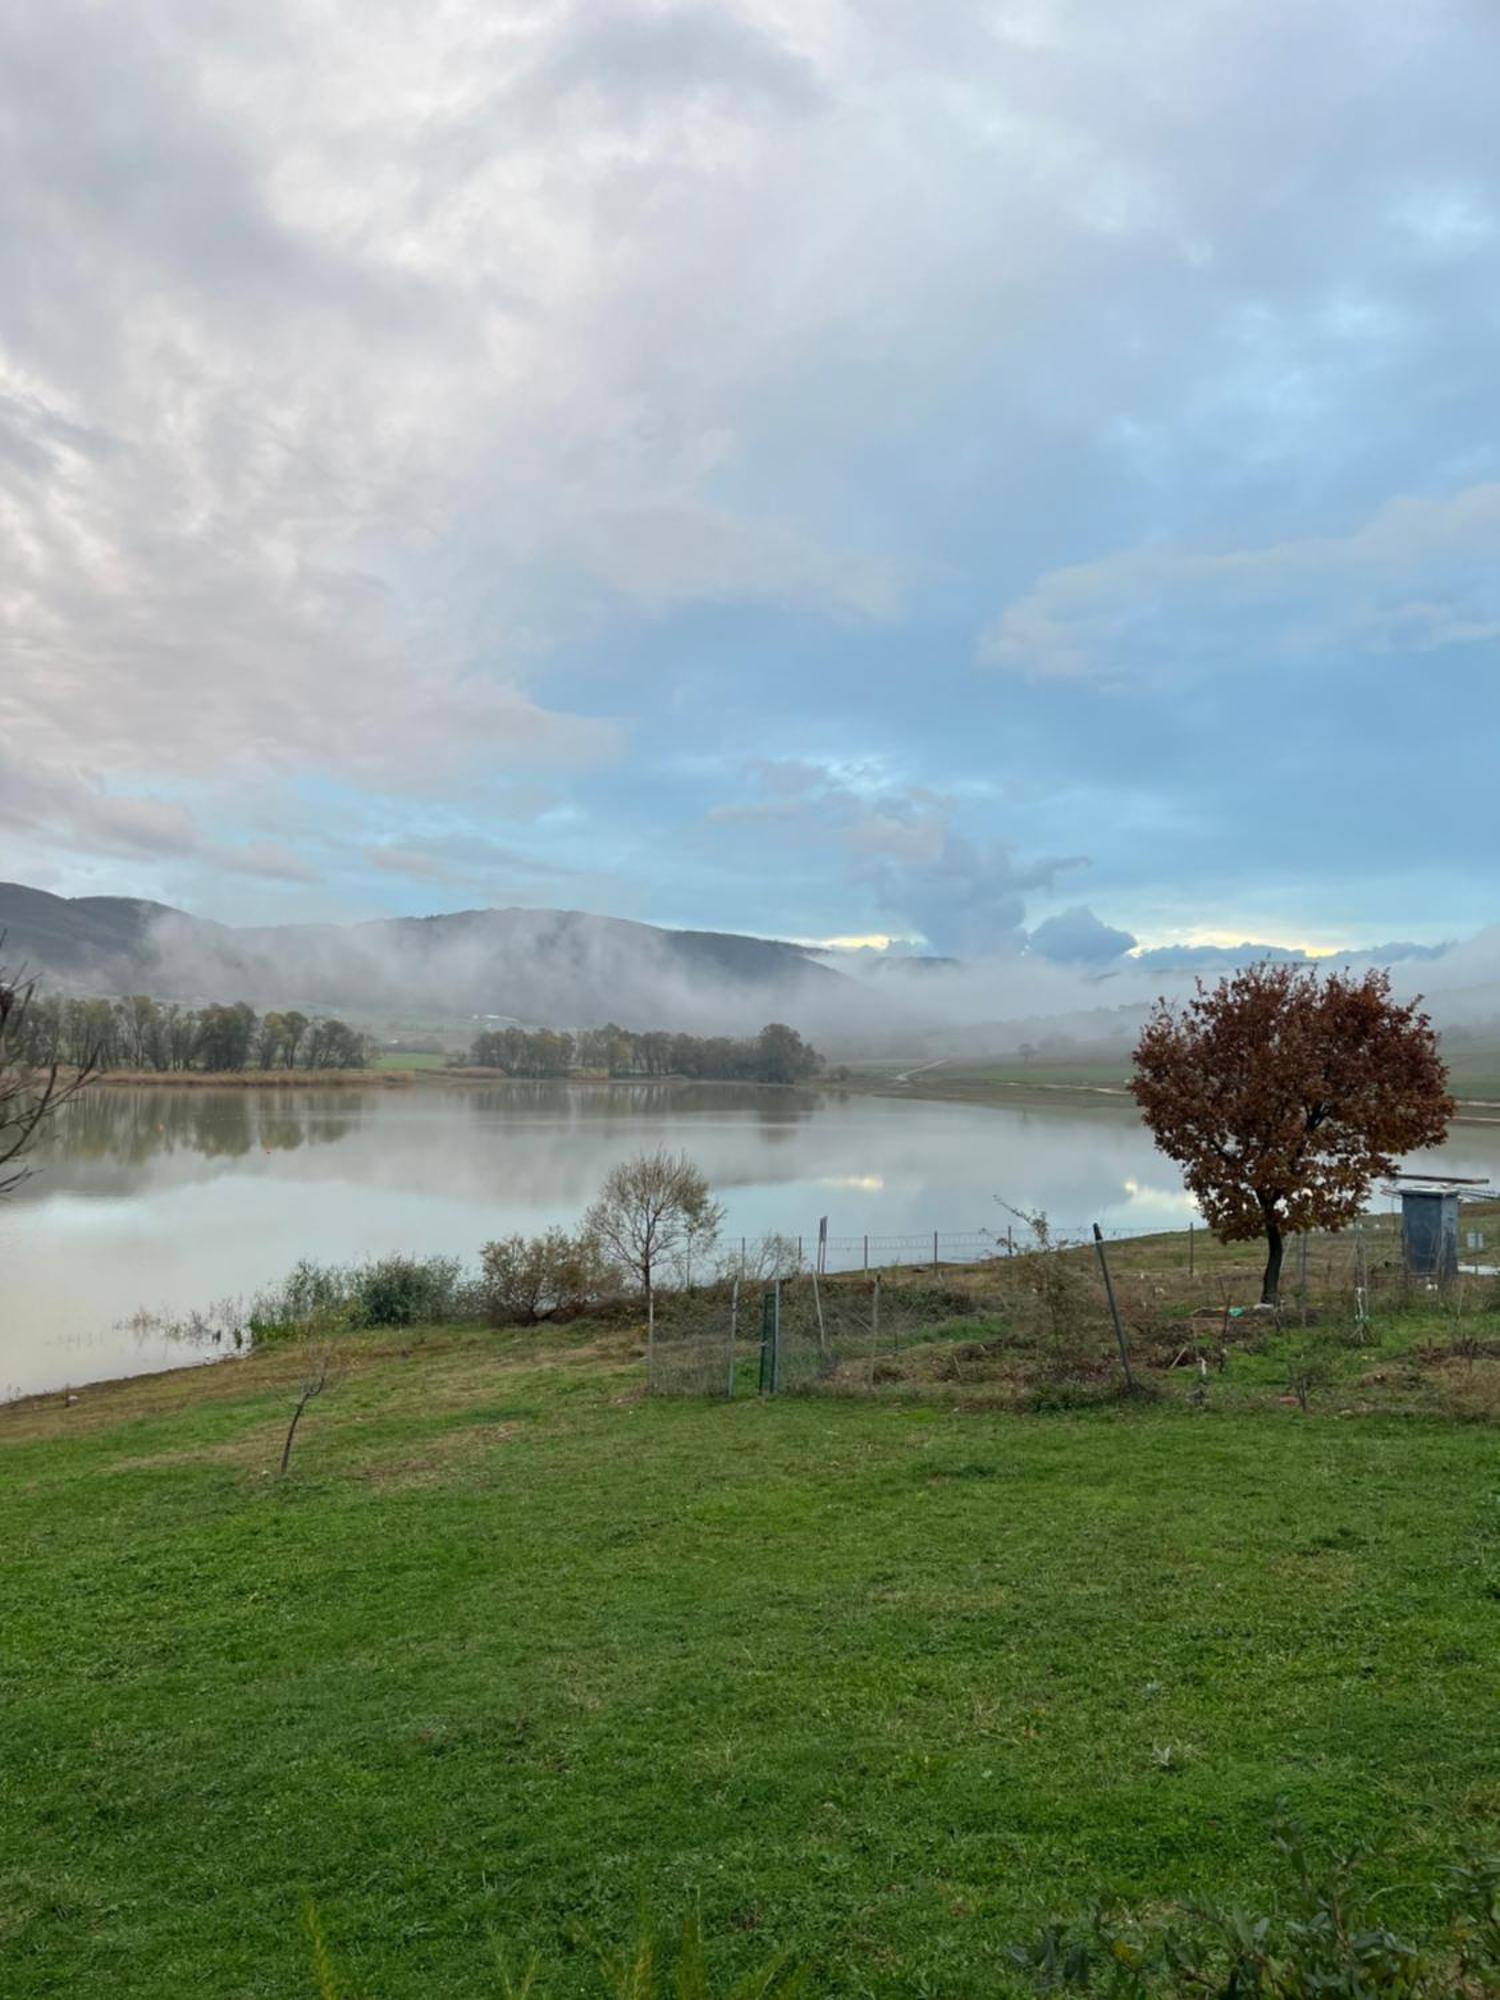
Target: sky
<point x="954" y="473"/>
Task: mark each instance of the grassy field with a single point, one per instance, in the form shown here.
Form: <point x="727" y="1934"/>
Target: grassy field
<point x="513" y="1654"/>
<point x="1474" y="1077"/>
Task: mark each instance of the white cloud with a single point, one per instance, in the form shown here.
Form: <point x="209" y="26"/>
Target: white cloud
<point x="1316" y="591"/>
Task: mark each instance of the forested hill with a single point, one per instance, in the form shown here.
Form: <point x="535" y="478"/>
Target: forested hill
<point x="536" y="965"/>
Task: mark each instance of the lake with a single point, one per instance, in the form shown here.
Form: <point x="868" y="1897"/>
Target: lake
<point x="168" y="1198"/>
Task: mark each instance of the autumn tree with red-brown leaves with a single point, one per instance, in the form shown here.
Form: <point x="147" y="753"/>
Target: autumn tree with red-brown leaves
<point x="1285" y="1093"/>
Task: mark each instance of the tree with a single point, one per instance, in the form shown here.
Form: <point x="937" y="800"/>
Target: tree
<point x="783" y="1057"/>
<point x="651" y="1210"/>
<point x="28" y="1095"/>
<point x="270" y="1038"/>
<point x="1284" y="1094"/>
<point x="294" y="1027"/>
<point x="553" y="1276"/>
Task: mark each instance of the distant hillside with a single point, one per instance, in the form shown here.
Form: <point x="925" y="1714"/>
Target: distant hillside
<point x="552" y="966"/>
<point x="78" y="939"/>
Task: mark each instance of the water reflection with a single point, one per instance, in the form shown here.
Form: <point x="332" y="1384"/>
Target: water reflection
<point x="168" y="1198"/>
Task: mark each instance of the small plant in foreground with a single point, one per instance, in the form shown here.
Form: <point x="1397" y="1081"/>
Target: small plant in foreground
<point x="1306" y="1369"/>
<point x="1323" y="1940"/>
<point x="647" y="1971"/>
<point x="1062" y="1311"/>
<point x="319" y="1374"/>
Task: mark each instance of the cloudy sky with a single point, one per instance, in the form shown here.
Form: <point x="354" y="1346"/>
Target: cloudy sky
<point x="814" y="469"/>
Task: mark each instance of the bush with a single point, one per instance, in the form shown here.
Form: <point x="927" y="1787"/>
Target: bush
<point x="309" y="1294"/>
<point x="387" y="1291"/>
<point x="553" y="1276"/>
<point x="403" y="1291"/>
<point x="1061" y="1311"/>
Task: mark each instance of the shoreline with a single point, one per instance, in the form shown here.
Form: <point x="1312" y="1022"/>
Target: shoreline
<point x="1000" y="1093"/>
<point x="247" y="1079"/>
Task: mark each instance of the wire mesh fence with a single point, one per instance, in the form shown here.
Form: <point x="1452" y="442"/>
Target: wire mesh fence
<point x="749" y="1257"/>
<point x="1036" y="1311"/>
<point x="790" y="1334"/>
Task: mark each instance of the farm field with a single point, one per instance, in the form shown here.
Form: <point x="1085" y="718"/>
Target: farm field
<point x="885" y="1683"/>
<point x="1473" y="1068"/>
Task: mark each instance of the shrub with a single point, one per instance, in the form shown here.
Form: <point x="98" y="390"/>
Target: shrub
<point x="401" y="1291"/>
<point x="386" y="1291"/>
<point x="553" y="1276"/>
<point x="1060" y="1309"/>
<point x="309" y="1294"/>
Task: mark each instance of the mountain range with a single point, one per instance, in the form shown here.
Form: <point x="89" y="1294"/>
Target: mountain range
<point x="530" y="965"/>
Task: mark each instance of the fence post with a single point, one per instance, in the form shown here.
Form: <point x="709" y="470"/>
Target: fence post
<point x="867" y="1256"/>
<point x="874" y="1328"/>
<point x="1191" y="1266"/>
<point x="734" y="1327"/>
<point x="934" y="1251"/>
<point x="1114" y="1310"/>
<point x="818" y="1308"/>
<point x="1302" y="1276"/>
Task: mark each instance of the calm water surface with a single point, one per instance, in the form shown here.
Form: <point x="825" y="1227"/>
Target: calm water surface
<point x="170" y="1198"/>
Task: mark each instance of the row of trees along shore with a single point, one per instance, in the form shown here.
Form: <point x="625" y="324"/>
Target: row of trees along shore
<point x="138" y="1033"/>
<point x="778" y="1054"/>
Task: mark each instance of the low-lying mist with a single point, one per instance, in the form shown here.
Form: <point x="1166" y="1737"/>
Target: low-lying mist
<point x="569" y="969"/>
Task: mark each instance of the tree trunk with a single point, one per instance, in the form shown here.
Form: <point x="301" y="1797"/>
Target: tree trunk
<point x="286" y="1450"/>
<point x="1270" y="1284"/>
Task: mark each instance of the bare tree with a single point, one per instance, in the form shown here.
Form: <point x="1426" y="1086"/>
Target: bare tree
<point x="652" y="1210"/>
<point x="28" y="1095"/>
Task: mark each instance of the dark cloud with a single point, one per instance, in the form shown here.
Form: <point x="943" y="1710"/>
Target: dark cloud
<point x="1078" y="937"/>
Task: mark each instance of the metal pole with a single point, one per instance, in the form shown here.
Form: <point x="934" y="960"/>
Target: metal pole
<point x="874" y="1329"/>
<point x="776" y="1339"/>
<point x="734" y="1327"/>
<point x="818" y="1308"/>
<point x="1190" y="1250"/>
<point x="1114" y="1310"/>
<point x="934" y="1250"/>
<point x="867" y="1256"/>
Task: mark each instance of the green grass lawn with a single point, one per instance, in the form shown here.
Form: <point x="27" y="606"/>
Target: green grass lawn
<point x="513" y="1653"/>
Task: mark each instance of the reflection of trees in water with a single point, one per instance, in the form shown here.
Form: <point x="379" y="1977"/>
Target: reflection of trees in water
<point x="132" y="1126"/>
<point x="779" y="1111"/>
